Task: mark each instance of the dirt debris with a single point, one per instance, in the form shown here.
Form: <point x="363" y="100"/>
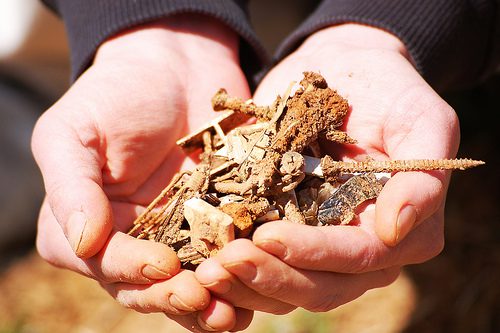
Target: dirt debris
<point x="256" y="173"/>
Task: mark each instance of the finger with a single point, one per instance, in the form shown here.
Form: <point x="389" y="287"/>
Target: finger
<point x="179" y="295"/>
<point x="312" y="290"/>
<point x="70" y="164"/>
<point x="347" y="249"/>
<point x="123" y="258"/>
<point x="191" y="321"/>
<point x="342" y="249"/>
<point x="244" y="318"/>
<point x="213" y="276"/>
<point x="406" y="201"/>
<point x="220" y="315"/>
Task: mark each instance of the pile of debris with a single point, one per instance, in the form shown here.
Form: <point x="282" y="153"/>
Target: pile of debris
<point x="273" y="169"/>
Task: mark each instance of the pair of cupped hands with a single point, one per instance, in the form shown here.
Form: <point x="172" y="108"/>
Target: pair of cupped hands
<point x="107" y="148"/>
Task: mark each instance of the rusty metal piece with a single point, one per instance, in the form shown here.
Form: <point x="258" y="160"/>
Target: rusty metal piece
<point x="332" y="167"/>
<point x="222" y="101"/>
<point x="340" y="208"/>
<point x="291" y="170"/>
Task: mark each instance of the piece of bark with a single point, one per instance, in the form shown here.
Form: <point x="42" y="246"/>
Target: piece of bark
<point x="242" y="218"/>
<point x="247" y="142"/>
<point x="188" y="254"/>
<point x="244" y="214"/>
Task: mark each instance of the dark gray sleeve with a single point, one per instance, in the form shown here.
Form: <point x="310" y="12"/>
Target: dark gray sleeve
<point x="90" y="22"/>
<point x="454" y="43"/>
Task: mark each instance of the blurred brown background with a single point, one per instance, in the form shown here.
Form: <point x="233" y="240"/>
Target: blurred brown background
<point x="459" y="291"/>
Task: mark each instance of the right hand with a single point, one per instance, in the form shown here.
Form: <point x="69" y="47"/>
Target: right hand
<point x="107" y="148"/>
<point x="394" y="114"/>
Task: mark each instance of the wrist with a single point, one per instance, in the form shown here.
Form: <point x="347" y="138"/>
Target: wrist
<point x="356" y="36"/>
<point x="184" y="37"/>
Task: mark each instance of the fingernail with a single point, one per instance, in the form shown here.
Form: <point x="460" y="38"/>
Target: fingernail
<point x="406" y="220"/>
<point x="273" y="247"/>
<point x="219" y="286"/>
<point x="177" y="303"/>
<point x="205" y="326"/>
<point x="242" y="269"/>
<point x="154" y="273"/>
<point x="75" y="229"/>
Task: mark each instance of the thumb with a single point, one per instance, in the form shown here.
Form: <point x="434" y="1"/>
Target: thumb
<point x="408" y="199"/>
<point x="67" y="153"/>
<point x="420" y="125"/>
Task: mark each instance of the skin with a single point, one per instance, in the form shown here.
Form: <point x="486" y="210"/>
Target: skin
<point x="394" y="114"/>
<point x="117" y="127"/>
<point x="107" y="148"/>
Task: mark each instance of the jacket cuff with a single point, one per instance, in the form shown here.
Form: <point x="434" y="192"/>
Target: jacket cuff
<point x="449" y="40"/>
<point x="89" y="23"/>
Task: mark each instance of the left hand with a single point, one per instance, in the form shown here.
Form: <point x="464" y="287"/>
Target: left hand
<point x="107" y="148"/>
<point x="394" y="114"/>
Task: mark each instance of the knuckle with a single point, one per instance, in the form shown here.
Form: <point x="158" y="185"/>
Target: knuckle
<point x="241" y="246"/>
<point x="433" y="248"/>
<point x="365" y="260"/>
<point x="45" y="251"/>
<point x="275" y="288"/>
<point x="390" y="275"/>
<point x="100" y="276"/>
<point x="106" y="273"/>
<point x="282" y="309"/>
<point x="57" y="198"/>
<point x="125" y="301"/>
<point x="132" y="301"/>
<point x="44" y="245"/>
<point x="324" y="303"/>
<point x="433" y="243"/>
<point x="39" y="131"/>
<point x="240" y="242"/>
